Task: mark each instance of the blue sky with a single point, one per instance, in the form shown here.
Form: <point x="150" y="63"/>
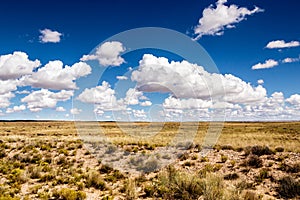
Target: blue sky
<point x="59" y="34"/>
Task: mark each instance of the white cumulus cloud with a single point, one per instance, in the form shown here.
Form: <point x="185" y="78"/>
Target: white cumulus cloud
<point x="40" y="99"/>
<point x="16" y="109"/>
<point x="279" y="44"/>
<point x="48" y="35"/>
<point x="290" y="60"/>
<point x="75" y="111"/>
<point x="133" y="96"/>
<point x="108" y="54"/>
<point x="56" y="76"/>
<point x="215" y="20"/>
<point x="192" y="81"/>
<point x="146" y="103"/>
<point x="270" y="63"/>
<point x="294" y="100"/>
<point x="60" y="109"/>
<point x="5" y="99"/>
<point x="16" y="65"/>
<point x="260" y="81"/>
<point x="139" y="114"/>
<point x="103" y="97"/>
<point x="8" y="86"/>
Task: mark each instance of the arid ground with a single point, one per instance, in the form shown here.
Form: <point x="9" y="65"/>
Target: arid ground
<point x="52" y="160"/>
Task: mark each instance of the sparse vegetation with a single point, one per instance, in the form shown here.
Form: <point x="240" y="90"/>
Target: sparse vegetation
<point x="46" y="160"/>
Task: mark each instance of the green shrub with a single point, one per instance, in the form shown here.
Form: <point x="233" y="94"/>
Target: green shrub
<point x="223" y="158"/>
<point x="69" y="194"/>
<point x="34" y="171"/>
<point x="263" y="174"/>
<point x="95" y="180"/>
<point x="130" y="189"/>
<point x="173" y="184"/>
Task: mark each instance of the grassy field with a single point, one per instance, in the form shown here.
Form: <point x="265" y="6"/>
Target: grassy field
<point x="49" y="160"/>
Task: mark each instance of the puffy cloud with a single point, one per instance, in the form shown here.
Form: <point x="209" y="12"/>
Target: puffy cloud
<point x="192" y="81"/>
<point x="108" y="54"/>
<point x="133" y="96"/>
<point x="103" y="97"/>
<point x="8" y="86"/>
<point x="267" y="64"/>
<point x="186" y="104"/>
<point x="55" y="76"/>
<point x="122" y="77"/>
<point x="279" y="44"/>
<point x="146" y="103"/>
<point x="16" y="109"/>
<point x="294" y="100"/>
<point x="238" y="91"/>
<point x="60" y="109"/>
<point x="215" y="20"/>
<point x="44" y="98"/>
<point x="290" y="60"/>
<point x="139" y="114"/>
<point x="48" y="35"/>
<point x="75" y="111"/>
<point x="13" y="66"/>
<point x="260" y="82"/>
<point x="5" y="99"/>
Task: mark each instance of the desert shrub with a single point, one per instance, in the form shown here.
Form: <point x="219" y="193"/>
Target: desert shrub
<point x="166" y="156"/>
<point x="47" y="177"/>
<point x="115" y="176"/>
<point x="183" y="156"/>
<point x="130" y="189"/>
<point x="111" y="149"/>
<point x="279" y="149"/>
<point x="204" y="159"/>
<point x="243" y="185"/>
<point x="231" y="176"/>
<point x="34" y="172"/>
<point x="188" y="163"/>
<point x="62" y="160"/>
<point x="149" y="166"/>
<point x="208" y="168"/>
<point x="253" y="161"/>
<point x="292" y="168"/>
<point x="17" y="176"/>
<point x="2" y="153"/>
<point x="194" y="157"/>
<point x="95" y="180"/>
<point x="36" y="158"/>
<point x="261" y="150"/>
<point x="212" y="188"/>
<point x="288" y="187"/>
<point x="223" y="158"/>
<point x="263" y="174"/>
<point x="173" y="184"/>
<point x="69" y="194"/>
<point x="105" y="169"/>
<point x="227" y="147"/>
<point x="8" y="197"/>
<point x="249" y="195"/>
